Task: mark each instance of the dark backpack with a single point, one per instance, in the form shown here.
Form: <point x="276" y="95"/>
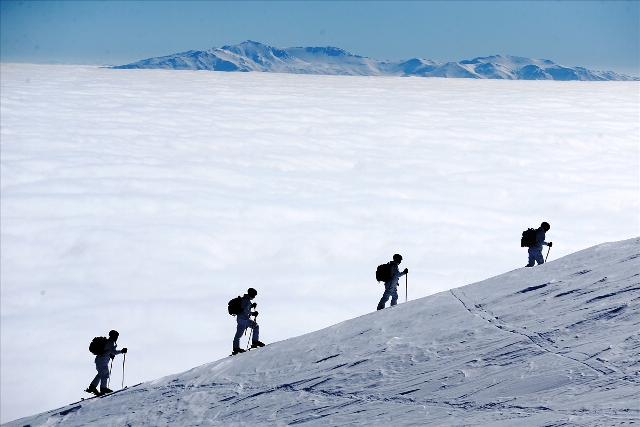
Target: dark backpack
<point x="383" y="272"/>
<point x="528" y="238"/>
<point x="98" y="345"/>
<point x="235" y="306"/>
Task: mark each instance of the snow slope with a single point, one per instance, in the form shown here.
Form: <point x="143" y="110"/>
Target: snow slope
<point x="254" y="56"/>
<point x="557" y="344"/>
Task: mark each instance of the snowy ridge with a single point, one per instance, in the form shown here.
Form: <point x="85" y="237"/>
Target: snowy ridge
<point x="254" y="56"/>
<point x="555" y="344"/>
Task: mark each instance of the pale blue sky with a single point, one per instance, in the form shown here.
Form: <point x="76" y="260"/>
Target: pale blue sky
<point x="600" y="35"/>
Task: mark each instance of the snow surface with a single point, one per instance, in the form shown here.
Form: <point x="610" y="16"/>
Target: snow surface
<point x="554" y="345"/>
<point x="254" y="56"/>
<point x="143" y="200"/>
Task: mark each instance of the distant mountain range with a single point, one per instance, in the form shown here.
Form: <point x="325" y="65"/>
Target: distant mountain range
<point x="254" y="56"/>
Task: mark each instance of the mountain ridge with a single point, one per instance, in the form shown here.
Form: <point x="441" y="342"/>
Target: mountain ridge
<point x="251" y="56"/>
<point x="557" y="344"/>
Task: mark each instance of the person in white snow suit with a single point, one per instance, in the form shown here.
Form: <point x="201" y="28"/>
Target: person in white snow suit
<point x="102" y="365"/>
<point x="391" y="287"/>
<point x="245" y="322"/>
<point x="535" y="251"/>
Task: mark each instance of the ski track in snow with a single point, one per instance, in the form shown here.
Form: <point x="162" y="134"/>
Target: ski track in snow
<point x="549" y="346"/>
<point x="143" y="200"/>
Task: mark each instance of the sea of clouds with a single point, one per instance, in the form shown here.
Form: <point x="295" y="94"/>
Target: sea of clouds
<point x="143" y="200"/>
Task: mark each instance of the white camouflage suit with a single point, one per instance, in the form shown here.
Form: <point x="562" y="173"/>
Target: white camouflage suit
<point x="245" y="322"/>
<point x="102" y="363"/>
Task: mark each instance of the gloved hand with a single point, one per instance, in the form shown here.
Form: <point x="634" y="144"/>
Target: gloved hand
<point x="550" y="244"/>
<point x="406" y="270"/>
<point x="124" y="350"/>
<point x="255" y="313"/>
<point x="254" y="305"/>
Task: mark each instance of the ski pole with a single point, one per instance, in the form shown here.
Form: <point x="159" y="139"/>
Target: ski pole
<point x="109" y="379"/>
<point x="251" y="333"/>
<point x="545" y="259"/>
<point x="124" y="357"/>
<point x="249" y="341"/>
<point x="406" y="287"/>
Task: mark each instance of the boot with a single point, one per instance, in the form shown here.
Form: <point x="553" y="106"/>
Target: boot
<point x="104" y="390"/>
<point x="93" y="389"/>
<point x="256" y="344"/>
<point x="237" y="350"/>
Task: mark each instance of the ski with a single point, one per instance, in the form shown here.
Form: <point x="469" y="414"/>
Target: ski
<point x="247" y="350"/>
<point x="84" y="399"/>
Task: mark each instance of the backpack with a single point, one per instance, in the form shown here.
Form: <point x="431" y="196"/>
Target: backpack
<point x="528" y="238"/>
<point x="97" y="345"/>
<point x="383" y="272"/>
<point x="235" y="306"/>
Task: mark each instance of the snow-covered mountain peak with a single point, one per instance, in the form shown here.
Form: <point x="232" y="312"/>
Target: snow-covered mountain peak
<point x="330" y="51"/>
<point x="250" y="48"/>
<point x="556" y="344"/>
<point x="510" y="61"/>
